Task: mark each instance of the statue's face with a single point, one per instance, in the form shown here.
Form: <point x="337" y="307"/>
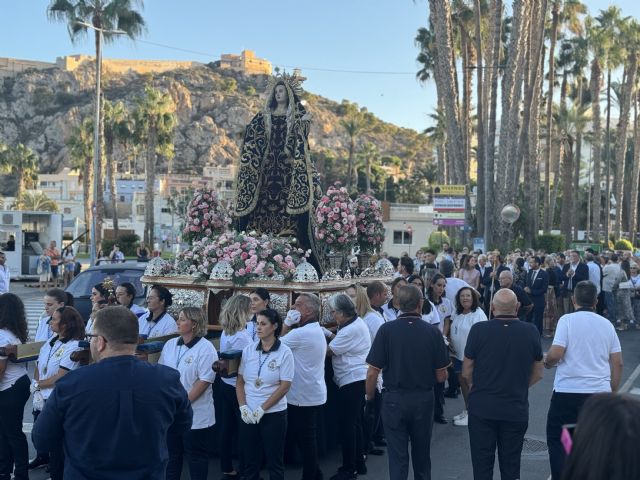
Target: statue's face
<point x="280" y="94"/>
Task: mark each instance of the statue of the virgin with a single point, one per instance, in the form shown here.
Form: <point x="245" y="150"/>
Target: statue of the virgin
<point x="277" y="184"/>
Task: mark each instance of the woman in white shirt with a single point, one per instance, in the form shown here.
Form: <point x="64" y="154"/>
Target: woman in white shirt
<point x="14" y="390"/>
<point x="348" y="351"/>
<point x="53" y="363"/>
<point x="234" y="337"/>
<point x="260" y="299"/>
<point x="54" y="298"/>
<point x="391" y="309"/>
<point x="193" y="356"/>
<point x="429" y="313"/>
<point x="264" y="378"/>
<point x="157" y="322"/>
<point x="373" y="319"/>
<point x="125" y="295"/>
<point x="467" y="314"/>
<point x="100" y="297"/>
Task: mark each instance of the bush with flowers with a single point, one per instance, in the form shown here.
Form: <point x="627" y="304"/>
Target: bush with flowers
<point x="369" y="223"/>
<point x="249" y="256"/>
<point x="335" y="220"/>
<point x="206" y="216"/>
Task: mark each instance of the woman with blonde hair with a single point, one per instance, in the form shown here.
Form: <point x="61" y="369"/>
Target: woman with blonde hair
<point x="192" y="356"/>
<point x="373" y="319"/>
<point x="235" y="336"/>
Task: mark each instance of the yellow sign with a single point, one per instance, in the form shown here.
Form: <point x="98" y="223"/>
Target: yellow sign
<point x="456" y="190"/>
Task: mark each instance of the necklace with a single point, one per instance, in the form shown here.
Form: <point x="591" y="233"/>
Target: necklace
<point x="261" y="362"/>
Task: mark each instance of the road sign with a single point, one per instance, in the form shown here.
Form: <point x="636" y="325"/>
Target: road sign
<point x="478" y="243"/>
<point x="449" y="190"/>
<point x="450" y="215"/>
<point x="449" y="222"/>
<point x="440" y="203"/>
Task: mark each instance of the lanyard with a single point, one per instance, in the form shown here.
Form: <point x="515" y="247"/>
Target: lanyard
<point x="156" y="322"/>
<point x="261" y="362"/>
<point x="180" y="356"/>
<point x="51" y="352"/>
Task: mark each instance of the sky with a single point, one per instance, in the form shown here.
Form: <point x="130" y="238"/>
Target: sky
<point x="360" y="50"/>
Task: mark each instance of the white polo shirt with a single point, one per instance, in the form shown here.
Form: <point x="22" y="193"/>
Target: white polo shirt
<point x="137" y="310"/>
<point x="277" y="366"/>
<point x="309" y="347"/>
<point x="461" y="326"/>
<point x="4" y="279"/>
<point x="350" y="348"/>
<point x="432" y="317"/>
<point x="374" y="321"/>
<point x="237" y="341"/>
<point x="166" y="325"/>
<point x="14" y="371"/>
<point x="54" y="355"/>
<point x="389" y="311"/>
<point x="44" y="332"/>
<point x="588" y="340"/>
<point x="251" y="329"/>
<point x="194" y="361"/>
<point x="444" y="309"/>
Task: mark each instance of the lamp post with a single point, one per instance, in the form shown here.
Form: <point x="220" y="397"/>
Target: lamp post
<point x="96" y="134"/>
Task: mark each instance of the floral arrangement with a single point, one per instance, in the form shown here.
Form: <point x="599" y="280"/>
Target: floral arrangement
<point x="336" y="220"/>
<point x="206" y="216"/>
<point x="369" y="223"/>
<point x="249" y="256"/>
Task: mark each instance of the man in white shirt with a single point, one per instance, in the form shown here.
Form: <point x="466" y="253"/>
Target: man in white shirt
<point x="610" y="273"/>
<point x="308" y="390"/>
<point x="453" y="284"/>
<point x="4" y="274"/>
<point x="587" y="352"/>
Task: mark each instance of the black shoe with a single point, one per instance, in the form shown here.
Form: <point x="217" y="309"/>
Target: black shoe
<point x="376" y="451"/>
<point x="441" y="420"/>
<point x="451" y="394"/>
<point x="38" y="462"/>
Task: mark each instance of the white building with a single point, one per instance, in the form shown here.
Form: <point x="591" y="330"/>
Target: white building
<point x="407" y="228"/>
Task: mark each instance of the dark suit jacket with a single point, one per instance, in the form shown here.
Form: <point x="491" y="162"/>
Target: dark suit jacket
<point x="539" y="287"/>
<point x="113" y="417"/>
<point x="486" y="281"/>
<point x="581" y="273"/>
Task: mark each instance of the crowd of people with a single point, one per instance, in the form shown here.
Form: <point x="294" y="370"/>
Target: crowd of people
<point x="448" y="324"/>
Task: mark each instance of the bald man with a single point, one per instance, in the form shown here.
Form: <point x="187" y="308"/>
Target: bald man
<point x="502" y="359"/>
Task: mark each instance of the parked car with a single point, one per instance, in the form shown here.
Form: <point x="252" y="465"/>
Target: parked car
<point x="81" y="285"/>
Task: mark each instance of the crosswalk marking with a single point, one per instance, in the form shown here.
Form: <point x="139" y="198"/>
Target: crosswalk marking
<point x="33" y="309"/>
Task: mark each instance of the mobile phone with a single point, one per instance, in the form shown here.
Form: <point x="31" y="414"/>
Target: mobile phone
<point x="566" y="437"/>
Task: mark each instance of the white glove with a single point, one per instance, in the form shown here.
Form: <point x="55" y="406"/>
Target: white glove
<point x="34" y="386"/>
<point x="257" y="415"/>
<point x="293" y="317"/>
<point x="245" y="413"/>
<point x="38" y="401"/>
<point x="327" y="333"/>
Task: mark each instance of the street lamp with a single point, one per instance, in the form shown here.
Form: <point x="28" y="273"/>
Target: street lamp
<point x="96" y="134"/>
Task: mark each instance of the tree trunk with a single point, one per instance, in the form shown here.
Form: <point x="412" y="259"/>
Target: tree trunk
<point x="534" y="154"/>
<point x="566" y="219"/>
<point x="632" y="227"/>
<point x="480" y="155"/>
<point x="352" y="148"/>
<point x="595" y="86"/>
<point x="111" y="175"/>
<point x="100" y="173"/>
<point x="150" y="180"/>
<point x="621" y="138"/>
<point x="556" y="174"/>
<point x="368" y="174"/>
<point x="607" y="159"/>
<point x="87" y="190"/>
<point x="577" y="164"/>
<point x="547" y="213"/>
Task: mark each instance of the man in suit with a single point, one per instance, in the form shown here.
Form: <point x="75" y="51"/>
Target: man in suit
<point x="491" y="279"/>
<point x="574" y="272"/>
<point x="536" y="284"/>
<point x="113" y="416"/>
<point x="482" y="267"/>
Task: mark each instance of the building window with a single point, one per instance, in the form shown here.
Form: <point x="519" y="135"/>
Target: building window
<point x="165" y="210"/>
<point x="122" y="198"/>
<point x="140" y="209"/>
<point x="402" y="237"/>
<point x="66" y="210"/>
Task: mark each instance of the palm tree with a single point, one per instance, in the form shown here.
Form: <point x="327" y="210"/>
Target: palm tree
<point x="370" y="155"/>
<point x="437" y="135"/>
<point x="155" y="121"/>
<point x="353" y="125"/>
<point x="21" y="162"/>
<point x="115" y="129"/>
<point x="36" y="202"/>
<point x="632" y="226"/>
<point x="80" y="145"/>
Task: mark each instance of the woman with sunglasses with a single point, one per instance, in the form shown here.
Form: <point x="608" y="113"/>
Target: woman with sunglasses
<point x="54" y="361"/>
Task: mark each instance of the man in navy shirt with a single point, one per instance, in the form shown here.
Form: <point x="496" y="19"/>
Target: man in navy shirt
<point x="502" y="359"/>
<point x="113" y="416"/>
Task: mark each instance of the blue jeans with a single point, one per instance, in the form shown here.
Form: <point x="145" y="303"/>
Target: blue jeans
<point x="610" y="303"/>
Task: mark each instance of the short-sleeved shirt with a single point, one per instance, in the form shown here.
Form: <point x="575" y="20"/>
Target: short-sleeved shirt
<point x="589" y="340"/>
<point x="237" y="341"/>
<point x="252" y="327"/>
<point x="309" y="347"/>
<point x="43" y="331"/>
<point x="274" y="366"/>
<point x="350" y="348"/>
<point x="503" y="351"/>
<point x="165" y="325"/>
<point x="54" y="255"/>
<point x="389" y="311"/>
<point x="444" y="309"/>
<point x="461" y="324"/>
<point x="137" y="310"/>
<point x="374" y="321"/>
<point x="194" y="361"/>
<point x="408" y="351"/>
<point x="14" y="371"/>
<point x="54" y="355"/>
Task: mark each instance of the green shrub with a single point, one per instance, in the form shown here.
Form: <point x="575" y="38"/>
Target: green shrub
<point x="436" y="239"/>
<point x="623" y="244"/>
<point x="128" y="244"/>
<point x="550" y="243"/>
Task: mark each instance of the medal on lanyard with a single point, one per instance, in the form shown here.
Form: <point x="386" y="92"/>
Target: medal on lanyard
<point x="258" y="383"/>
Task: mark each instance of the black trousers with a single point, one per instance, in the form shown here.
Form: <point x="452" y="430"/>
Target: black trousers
<point x="350" y="413"/>
<point x="196" y="445"/>
<point x="269" y="435"/>
<point x="438" y="394"/>
<point x="14" y="449"/>
<point x="303" y="423"/>
<point x="564" y="409"/>
<point x="484" y="436"/>
<point x="373" y="431"/>
<point x="229" y="422"/>
<point x="408" y="417"/>
<point x="56" y="456"/>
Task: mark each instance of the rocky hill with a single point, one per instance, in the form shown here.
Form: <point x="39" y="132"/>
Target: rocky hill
<point x="40" y="109"/>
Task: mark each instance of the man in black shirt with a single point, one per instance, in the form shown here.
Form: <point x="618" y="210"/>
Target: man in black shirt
<point x="412" y="356"/>
<point x="502" y="359"/>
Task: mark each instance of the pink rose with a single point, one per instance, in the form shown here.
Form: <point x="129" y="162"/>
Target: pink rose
<point x="242" y="272"/>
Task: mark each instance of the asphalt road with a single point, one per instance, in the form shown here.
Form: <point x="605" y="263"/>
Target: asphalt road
<point x="450" y="455"/>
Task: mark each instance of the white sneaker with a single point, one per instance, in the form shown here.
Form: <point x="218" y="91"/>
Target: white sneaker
<point x="463" y="421"/>
<point x="460" y="415"/>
